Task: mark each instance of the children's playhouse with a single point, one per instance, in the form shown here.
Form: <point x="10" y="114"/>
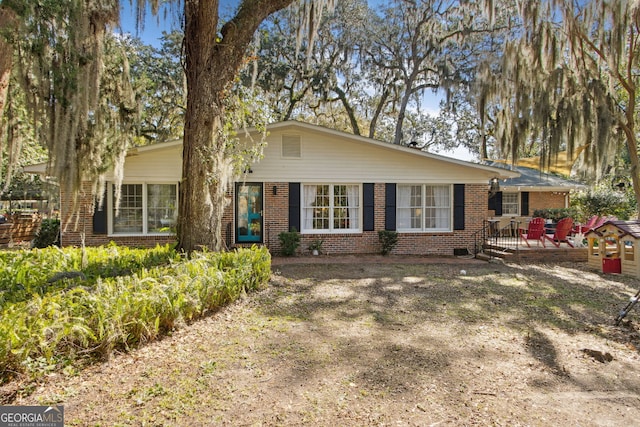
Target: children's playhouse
<point x="612" y="247"/>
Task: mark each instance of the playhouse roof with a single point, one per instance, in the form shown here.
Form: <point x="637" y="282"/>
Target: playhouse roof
<point x="625" y="228"/>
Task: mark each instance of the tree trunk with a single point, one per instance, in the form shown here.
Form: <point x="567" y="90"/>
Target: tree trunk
<point x="405" y="101"/>
<point x="349" y="110"/>
<point x="381" y="104"/>
<point x="8" y="24"/>
<point x="632" y="143"/>
<point x="212" y="63"/>
<point x="401" y="114"/>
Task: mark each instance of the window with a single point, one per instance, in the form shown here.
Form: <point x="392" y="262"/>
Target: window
<point x="423" y="208"/>
<point x="331" y="208"/>
<point x="510" y="204"/>
<point x="627" y="248"/>
<point x="161" y="208"/>
<point x="145" y="209"/>
<point x="128" y="218"/>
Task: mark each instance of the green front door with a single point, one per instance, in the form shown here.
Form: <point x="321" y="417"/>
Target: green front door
<point x="248" y="212"/>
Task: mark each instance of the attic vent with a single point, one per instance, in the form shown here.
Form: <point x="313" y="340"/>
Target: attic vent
<point x="291" y="146"/>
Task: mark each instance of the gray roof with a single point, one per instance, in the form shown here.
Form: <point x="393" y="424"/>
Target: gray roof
<point x="533" y="178"/>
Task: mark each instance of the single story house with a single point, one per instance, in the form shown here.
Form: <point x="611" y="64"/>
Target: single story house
<point x="327" y="184"/>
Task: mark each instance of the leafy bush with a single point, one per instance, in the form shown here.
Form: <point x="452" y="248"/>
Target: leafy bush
<point x="556" y="214"/>
<point x="388" y="240"/>
<point x="48" y="235"/>
<point x="97" y="315"/>
<point x="604" y="201"/>
<point x="289" y="242"/>
<point x="25" y="273"/>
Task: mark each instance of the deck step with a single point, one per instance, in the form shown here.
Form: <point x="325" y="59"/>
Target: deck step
<point x="498" y="253"/>
<point x="482" y="256"/>
<point x="488" y="246"/>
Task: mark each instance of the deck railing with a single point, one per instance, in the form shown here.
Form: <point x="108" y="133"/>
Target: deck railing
<point x="491" y="235"/>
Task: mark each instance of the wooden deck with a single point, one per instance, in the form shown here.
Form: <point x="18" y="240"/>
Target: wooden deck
<point x="520" y="252"/>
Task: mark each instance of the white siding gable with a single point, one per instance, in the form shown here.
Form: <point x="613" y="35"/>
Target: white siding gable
<point x="159" y="163"/>
<point x="331" y="157"/>
<point x="298" y="152"/>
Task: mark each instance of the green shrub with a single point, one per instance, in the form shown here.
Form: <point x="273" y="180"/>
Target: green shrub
<point x="388" y="240"/>
<point x="604" y="201"/>
<point x="556" y="214"/>
<point x="90" y="320"/>
<point x="48" y="235"/>
<point x="24" y="273"/>
<point x="289" y="242"/>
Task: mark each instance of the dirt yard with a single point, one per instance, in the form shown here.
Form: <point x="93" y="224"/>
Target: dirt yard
<point x="383" y="344"/>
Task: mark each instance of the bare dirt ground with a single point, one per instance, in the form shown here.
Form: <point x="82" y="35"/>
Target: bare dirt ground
<point x="383" y="344"/>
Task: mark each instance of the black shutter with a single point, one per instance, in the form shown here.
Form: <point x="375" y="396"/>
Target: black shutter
<point x="458" y="206"/>
<point x="498" y="203"/>
<point x="294" y="206"/>
<point x="524" y="203"/>
<point x="390" y="207"/>
<point x="368" y="213"/>
<point x="495" y="203"/>
<point x="492" y="202"/>
<point x="100" y="213"/>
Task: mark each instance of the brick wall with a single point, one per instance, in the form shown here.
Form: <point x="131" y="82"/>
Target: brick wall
<point x="545" y="200"/>
<point x="276" y="220"/>
<point x="19" y="228"/>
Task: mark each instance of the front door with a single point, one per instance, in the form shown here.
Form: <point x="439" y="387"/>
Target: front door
<point x="248" y="212"/>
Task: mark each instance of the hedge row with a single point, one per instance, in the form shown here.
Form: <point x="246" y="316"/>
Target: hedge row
<point x="89" y="318"/>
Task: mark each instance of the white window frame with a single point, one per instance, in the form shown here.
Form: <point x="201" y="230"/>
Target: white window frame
<point x="516" y="203"/>
<point x="145" y="212"/>
<point x="423" y="207"/>
<point x="305" y="208"/>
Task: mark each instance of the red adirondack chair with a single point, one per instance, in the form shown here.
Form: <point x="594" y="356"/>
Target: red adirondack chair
<point x="583" y="228"/>
<point x="535" y="231"/>
<point x="561" y="235"/>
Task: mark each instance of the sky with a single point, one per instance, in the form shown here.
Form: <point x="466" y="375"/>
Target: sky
<point x="168" y="19"/>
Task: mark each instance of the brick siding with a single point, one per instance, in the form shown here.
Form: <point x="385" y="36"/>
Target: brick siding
<point x="276" y="211"/>
<point x="545" y="200"/>
<point x="276" y="221"/>
<point x="19" y="228"/>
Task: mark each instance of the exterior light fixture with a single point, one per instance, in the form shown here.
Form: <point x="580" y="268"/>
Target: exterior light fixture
<point x="494" y="185"/>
